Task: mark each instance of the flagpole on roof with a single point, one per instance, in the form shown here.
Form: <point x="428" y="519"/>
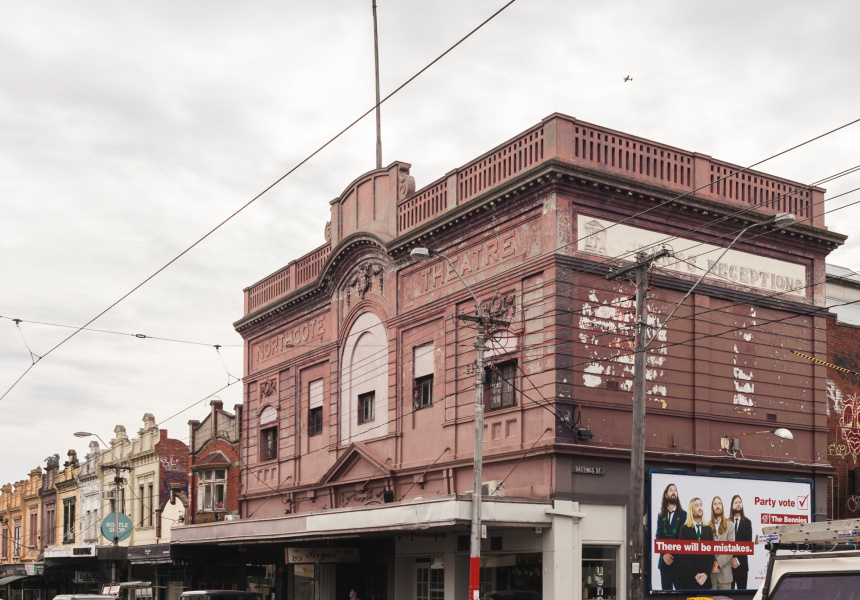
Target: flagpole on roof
<point x="378" y="116"/>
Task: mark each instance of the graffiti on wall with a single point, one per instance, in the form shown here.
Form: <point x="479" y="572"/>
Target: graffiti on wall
<point x="848" y="431"/>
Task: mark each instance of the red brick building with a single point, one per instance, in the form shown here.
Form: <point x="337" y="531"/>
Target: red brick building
<point x="214" y="493"/>
<point x="358" y="419"/>
<point x="843" y="391"/>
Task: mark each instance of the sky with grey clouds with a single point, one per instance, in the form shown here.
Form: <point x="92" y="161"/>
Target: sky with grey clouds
<point x="128" y="130"/>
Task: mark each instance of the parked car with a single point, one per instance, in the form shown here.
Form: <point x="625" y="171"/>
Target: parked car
<point x="220" y="595"/>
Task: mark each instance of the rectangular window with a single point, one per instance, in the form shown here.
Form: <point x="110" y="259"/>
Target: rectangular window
<point x="315" y="407"/>
<point x="212" y="490"/>
<point x="512" y="575"/>
<point x="4" y="543"/>
<point x="150" y="502"/>
<point x="268" y="444"/>
<point x="34" y="529"/>
<point x="423" y="392"/>
<point x="142" y="500"/>
<point x="599" y="571"/>
<point x="69" y="521"/>
<point x="16" y="541"/>
<point x="50" y="525"/>
<point x="315" y="421"/>
<point x="501" y="385"/>
<point x="365" y="407"/>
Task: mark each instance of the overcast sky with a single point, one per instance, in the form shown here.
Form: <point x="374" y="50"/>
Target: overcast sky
<point x="128" y="130"/>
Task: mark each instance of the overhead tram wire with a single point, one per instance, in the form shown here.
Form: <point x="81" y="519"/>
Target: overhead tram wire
<point x="606" y="261"/>
<point x="569" y="279"/>
<point x="602" y="279"/>
<point x="123" y="333"/>
<point x="267" y="189"/>
<point x="522" y="392"/>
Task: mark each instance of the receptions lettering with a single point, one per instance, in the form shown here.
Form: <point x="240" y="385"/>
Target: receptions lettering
<point x="759" y="273"/>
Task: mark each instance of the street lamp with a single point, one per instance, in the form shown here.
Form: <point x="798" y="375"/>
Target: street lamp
<point x="636" y="502"/>
<point x="117" y="482"/>
<point x="482" y="322"/>
<point x="731" y="444"/>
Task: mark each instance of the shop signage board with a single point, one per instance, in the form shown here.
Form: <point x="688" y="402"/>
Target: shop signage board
<point x="90" y="577"/>
<point x="124" y="523"/>
<point x="70" y="551"/>
<point x="765" y="502"/>
<point x="321" y="555"/>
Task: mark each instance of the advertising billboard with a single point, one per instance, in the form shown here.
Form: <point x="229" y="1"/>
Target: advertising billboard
<point x="702" y="528"/>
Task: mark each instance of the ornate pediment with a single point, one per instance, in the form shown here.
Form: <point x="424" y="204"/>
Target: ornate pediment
<point x="368" y="276"/>
<point x="358" y="463"/>
<point x="502" y="306"/>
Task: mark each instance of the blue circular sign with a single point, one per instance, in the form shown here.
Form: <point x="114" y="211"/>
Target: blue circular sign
<point x="124" y="524"/>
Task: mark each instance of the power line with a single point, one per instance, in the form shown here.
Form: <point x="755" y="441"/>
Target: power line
<point x="140" y="336"/>
<point x="255" y="198"/>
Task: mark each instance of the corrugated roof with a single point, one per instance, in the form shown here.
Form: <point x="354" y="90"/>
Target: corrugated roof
<point x="837" y="272"/>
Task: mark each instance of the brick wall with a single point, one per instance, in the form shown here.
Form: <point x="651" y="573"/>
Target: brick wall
<point x="174" y="465"/>
<point x="231" y="451"/>
<point x="843" y="445"/>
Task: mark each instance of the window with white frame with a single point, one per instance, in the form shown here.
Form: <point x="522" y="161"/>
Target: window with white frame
<point x="69" y="521"/>
<point x="269" y="433"/>
<point x="212" y="490"/>
<point x="16" y="540"/>
<point x="422" y="386"/>
<point x="315" y="407"/>
<point x="365" y="407"/>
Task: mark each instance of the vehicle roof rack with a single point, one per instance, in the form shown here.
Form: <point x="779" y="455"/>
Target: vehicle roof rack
<point x="822" y="532"/>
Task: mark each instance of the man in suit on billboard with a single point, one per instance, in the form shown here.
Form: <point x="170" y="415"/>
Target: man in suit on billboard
<point x="696" y="568"/>
<point x="669" y="523"/>
<point x="743" y="533"/>
<point x="724" y="531"/>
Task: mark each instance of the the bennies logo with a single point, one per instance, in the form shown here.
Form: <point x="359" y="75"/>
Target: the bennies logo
<point x="288" y="338"/>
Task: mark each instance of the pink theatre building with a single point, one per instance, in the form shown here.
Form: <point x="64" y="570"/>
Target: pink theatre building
<point x="358" y="428"/>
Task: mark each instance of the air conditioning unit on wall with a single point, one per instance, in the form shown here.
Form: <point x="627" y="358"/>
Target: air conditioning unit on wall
<point x="494" y="487"/>
<point x="109" y="495"/>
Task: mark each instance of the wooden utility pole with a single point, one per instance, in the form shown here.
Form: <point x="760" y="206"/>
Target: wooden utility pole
<point x="636" y="570"/>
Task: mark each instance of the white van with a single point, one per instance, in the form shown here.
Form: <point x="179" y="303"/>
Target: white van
<point x="828" y="573"/>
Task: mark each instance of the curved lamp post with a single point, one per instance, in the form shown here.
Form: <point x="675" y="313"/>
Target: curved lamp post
<point x="480" y="343"/>
<point x="117" y="482"/>
<point x="635" y="518"/>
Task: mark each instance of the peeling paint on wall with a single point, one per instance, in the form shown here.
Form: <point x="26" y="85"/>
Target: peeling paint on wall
<point x="834" y="398"/>
<point x="612" y="325"/>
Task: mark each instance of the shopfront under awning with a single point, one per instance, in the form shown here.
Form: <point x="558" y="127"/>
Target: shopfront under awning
<point x="11" y="578"/>
<point x="440" y="513"/>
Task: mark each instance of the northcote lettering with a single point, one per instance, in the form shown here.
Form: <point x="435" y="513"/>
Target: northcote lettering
<point x="292" y="336"/>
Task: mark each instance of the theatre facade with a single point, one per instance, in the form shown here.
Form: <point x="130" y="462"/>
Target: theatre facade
<point x="358" y="427"/>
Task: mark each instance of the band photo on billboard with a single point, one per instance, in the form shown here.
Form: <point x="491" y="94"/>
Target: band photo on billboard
<point x="703" y="528"/>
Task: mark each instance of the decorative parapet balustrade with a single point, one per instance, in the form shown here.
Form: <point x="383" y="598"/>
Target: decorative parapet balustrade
<point x="600" y="149"/>
<point x="582" y="145"/>
<point x="277" y="285"/>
